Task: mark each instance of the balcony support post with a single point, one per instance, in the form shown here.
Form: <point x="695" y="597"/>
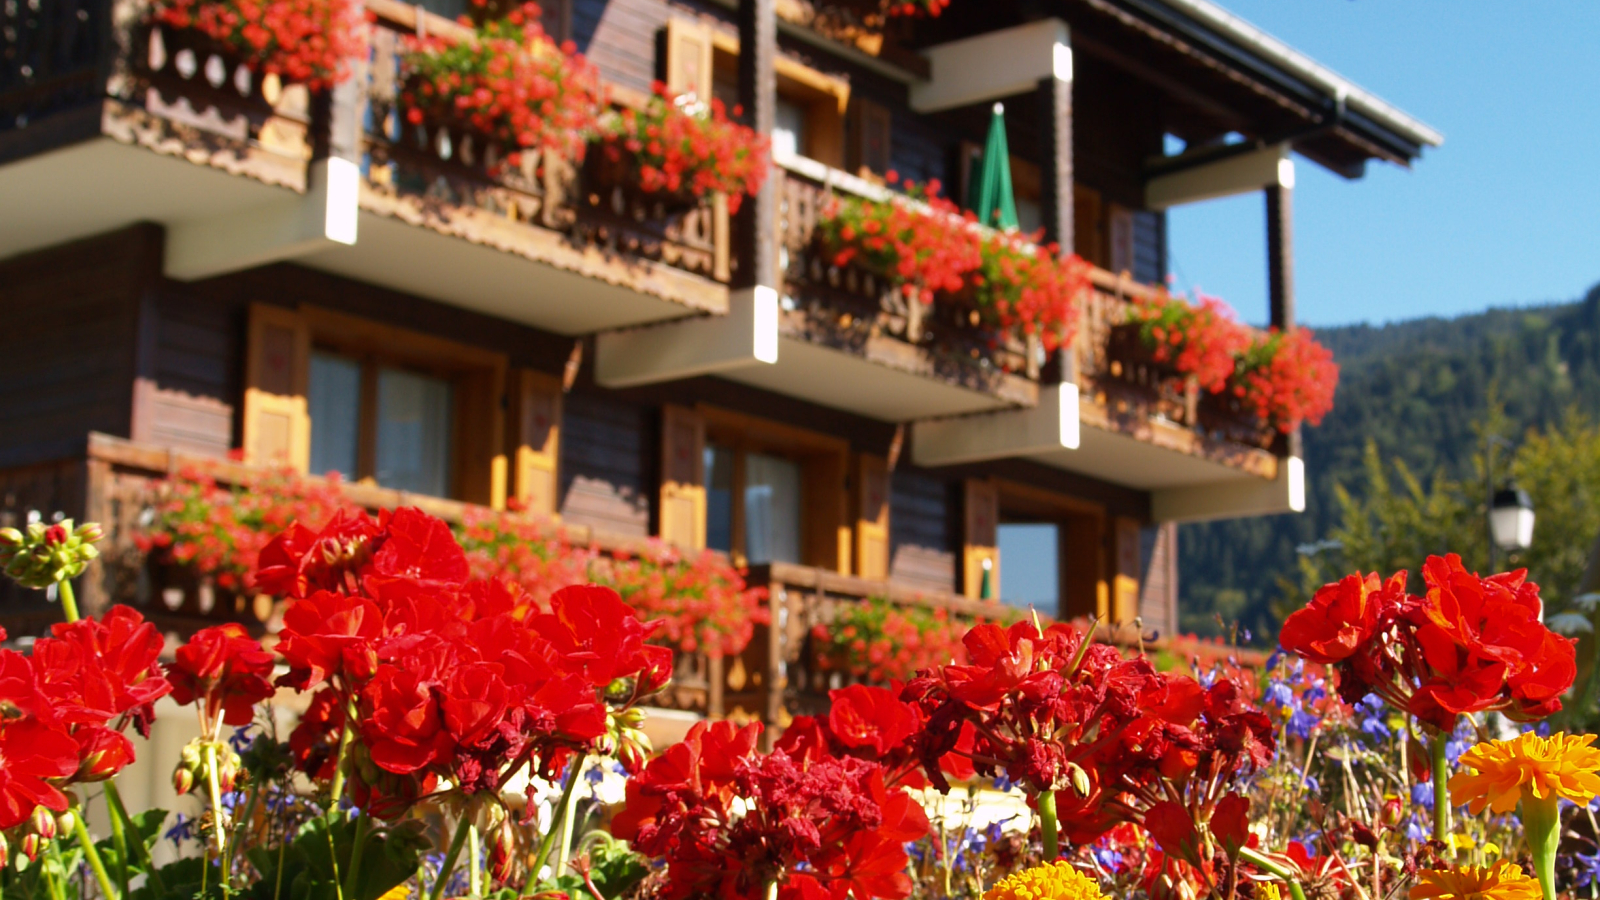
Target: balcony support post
<point x="756" y="227"/>
<point x="1055" y="96"/>
<point x="1280" y="267"/>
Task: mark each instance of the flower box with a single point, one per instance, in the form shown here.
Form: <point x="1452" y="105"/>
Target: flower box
<point x="613" y="172"/>
<point x="1130" y="360"/>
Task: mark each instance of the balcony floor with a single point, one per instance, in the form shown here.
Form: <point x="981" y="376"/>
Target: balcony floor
<point x="102" y="184"/>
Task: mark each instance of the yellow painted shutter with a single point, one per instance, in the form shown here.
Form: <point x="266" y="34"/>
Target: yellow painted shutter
<point x="683" y="478"/>
<point x="872" y="516"/>
<point x="536" y="405"/>
<point x="980" y="540"/>
<point x="1125" y="576"/>
<point x="688" y="67"/>
<point x="277" y="427"/>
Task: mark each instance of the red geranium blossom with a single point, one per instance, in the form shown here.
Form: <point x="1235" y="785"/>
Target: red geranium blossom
<point x="225" y="669"/>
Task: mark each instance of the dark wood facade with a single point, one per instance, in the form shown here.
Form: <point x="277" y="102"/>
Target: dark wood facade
<point x="501" y="285"/>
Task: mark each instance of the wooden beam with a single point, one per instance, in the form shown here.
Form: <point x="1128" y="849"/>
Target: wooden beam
<point x="1050" y="426"/>
<point x="1055" y="95"/>
<point x="1234" y="498"/>
<point x="747" y="335"/>
<point x="755" y="231"/>
<point x="1234" y="174"/>
<point x="1280" y="254"/>
<point x="993" y="65"/>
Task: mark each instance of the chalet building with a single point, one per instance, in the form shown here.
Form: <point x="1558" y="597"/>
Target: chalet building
<point x="196" y="261"/>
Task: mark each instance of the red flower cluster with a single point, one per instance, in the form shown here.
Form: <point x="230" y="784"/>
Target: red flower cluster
<point x="1287" y="377"/>
<point x="1111" y="737"/>
<point x="220" y="532"/>
<point x="700" y="602"/>
<point x="63" y="710"/>
<point x="879" y="640"/>
<point x="873" y="723"/>
<point x="226" y="671"/>
<point x="729" y="821"/>
<point x="1472" y="644"/>
<point x="306" y="41"/>
<point x="685" y="145"/>
<point x="1030" y="289"/>
<point x="925" y="244"/>
<point x="512" y="85"/>
<point x="917" y="7"/>
<point x="1200" y="340"/>
<point x="444" y="676"/>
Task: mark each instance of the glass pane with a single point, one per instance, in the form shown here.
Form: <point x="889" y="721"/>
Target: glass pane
<point x="335" y="403"/>
<point x="719" y="498"/>
<point x="1030" y="566"/>
<point x="414" y="432"/>
<point x="789" y="129"/>
<point x="771" y="509"/>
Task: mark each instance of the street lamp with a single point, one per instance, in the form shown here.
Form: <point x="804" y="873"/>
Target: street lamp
<point x="1510" y="511"/>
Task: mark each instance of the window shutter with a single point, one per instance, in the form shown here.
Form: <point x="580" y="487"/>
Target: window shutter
<point x="871" y="127"/>
<point x="979" y="539"/>
<point x="480" y="436"/>
<point x="1086" y="232"/>
<point x="277" y="427"/>
<point x="683" y="478"/>
<point x="536" y="432"/>
<point x="872" y="516"/>
<point x="688" y="67"/>
<point x="1125" y="574"/>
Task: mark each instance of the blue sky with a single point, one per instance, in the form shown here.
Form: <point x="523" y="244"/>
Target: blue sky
<point x="1507" y="212"/>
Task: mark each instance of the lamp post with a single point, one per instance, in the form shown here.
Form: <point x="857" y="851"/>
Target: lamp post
<point x="1510" y="512"/>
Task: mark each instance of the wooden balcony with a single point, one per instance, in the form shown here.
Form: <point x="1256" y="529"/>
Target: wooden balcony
<point x="849" y="340"/>
<point x="106" y="121"/>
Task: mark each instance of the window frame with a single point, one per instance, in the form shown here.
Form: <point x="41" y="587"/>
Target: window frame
<point x="478" y="383"/>
<point x="1081" y="555"/>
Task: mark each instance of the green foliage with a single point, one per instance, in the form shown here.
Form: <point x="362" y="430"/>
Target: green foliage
<point x="390" y="856"/>
<point x="614" y="868"/>
<point x="1418" y="394"/>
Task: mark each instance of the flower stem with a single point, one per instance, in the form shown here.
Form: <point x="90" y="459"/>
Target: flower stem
<point x="96" y="865"/>
<point x="357" y="844"/>
<point x="1267" y="864"/>
<point x="564" y="842"/>
<point x="556" y="815"/>
<point x="69" y="600"/>
<point x="119" y="839"/>
<point x="1047" y="825"/>
<point x="1441" y="791"/>
<point x="346" y="736"/>
<point x="449" y="864"/>
<point x="474" y="872"/>
<point x="1541" y="823"/>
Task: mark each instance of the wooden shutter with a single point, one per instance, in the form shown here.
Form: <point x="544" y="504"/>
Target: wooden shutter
<point x="683" y="477"/>
<point x="981" y="518"/>
<point x="825" y="515"/>
<point x="536" y="439"/>
<point x="555" y="16"/>
<point x="277" y="427"/>
<point x="1125" y="550"/>
<point x="1083" y="561"/>
<point x="688" y="68"/>
<point x="872" y="516"/>
<point x="479" y="411"/>
<point x="871" y="127"/>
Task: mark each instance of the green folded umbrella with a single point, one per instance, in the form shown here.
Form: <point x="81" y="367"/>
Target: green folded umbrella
<point x="989" y="193"/>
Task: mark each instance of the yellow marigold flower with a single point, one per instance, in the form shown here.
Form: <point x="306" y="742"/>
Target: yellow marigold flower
<point x="1501" y="881"/>
<point x="1052" y="881"/>
<point x="1561" y="766"/>
<point x="1266" y="890"/>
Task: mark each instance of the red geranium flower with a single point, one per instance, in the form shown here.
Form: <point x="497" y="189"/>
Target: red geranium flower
<point x="226" y="669"/>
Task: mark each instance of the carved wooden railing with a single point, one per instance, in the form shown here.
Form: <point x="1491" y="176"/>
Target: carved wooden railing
<point x="446" y="166"/>
<point x="852" y="308"/>
<point x="789" y="676"/>
<point x="53" y="55"/>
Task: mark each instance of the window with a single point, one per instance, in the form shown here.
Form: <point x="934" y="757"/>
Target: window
<point x="327" y="392"/>
<point x="1030" y="565"/>
<point x="789" y="132"/>
<point x="766" y="525"/>
<point x="401" y="439"/>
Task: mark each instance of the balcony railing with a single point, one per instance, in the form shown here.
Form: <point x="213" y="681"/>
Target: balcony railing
<point x="853" y="309"/>
<point x="437" y="170"/>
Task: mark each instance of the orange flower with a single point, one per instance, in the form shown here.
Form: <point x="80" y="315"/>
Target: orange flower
<point x="1502" y="881"/>
<point x="1561" y="766"/>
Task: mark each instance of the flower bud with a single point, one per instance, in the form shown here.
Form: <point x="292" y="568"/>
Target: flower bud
<point x="90" y="532"/>
<point x="57" y="534"/>
<point x="503" y="851"/>
<point x="1080" y="779"/>
<point x="31" y="845"/>
<point x="1393" y="812"/>
<point x="44" y="822"/>
<point x="10" y="538"/>
<point x="182" y="780"/>
<point x="5" y="851"/>
<point x="67" y="822"/>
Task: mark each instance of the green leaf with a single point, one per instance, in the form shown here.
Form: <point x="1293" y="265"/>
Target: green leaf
<point x="390" y="857"/>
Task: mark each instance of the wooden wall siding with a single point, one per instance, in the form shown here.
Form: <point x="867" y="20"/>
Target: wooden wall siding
<point x="49" y="488"/>
<point x="68" y="341"/>
<point x="1116" y="124"/>
<point x="921" y="551"/>
<point x="620" y="36"/>
<point x="606" y="475"/>
<point x="188" y="378"/>
<point x="1158" y="584"/>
